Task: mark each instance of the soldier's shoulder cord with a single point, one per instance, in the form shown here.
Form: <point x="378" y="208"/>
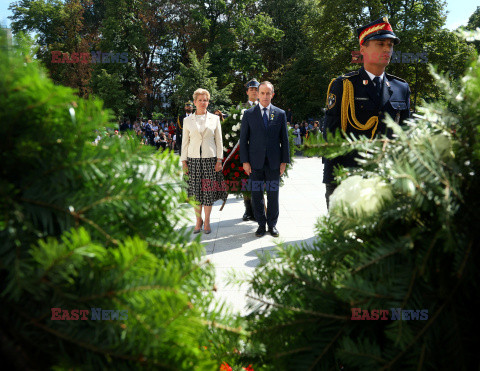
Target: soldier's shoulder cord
<point x="178" y="123"/>
<point x="348" y="111"/>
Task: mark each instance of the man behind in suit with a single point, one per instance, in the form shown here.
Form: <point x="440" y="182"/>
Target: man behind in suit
<point x="264" y="152"/>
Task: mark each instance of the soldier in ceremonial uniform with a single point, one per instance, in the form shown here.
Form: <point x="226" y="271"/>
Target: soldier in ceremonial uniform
<point x="358" y="101"/>
<point x="179" y="128"/>
<point x="252" y="94"/>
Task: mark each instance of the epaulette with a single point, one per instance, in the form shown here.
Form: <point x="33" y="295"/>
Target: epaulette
<point x="349" y="74"/>
<point x="331" y="98"/>
<point x="394" y="77"/>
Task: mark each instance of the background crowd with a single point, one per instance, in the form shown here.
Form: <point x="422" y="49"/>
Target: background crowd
<point x="158" y="133"/>
<point x="162" y="135"/>
<point x="303" y="130"/>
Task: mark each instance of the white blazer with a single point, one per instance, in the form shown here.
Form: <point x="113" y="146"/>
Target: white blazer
<point x="210" y="140"/>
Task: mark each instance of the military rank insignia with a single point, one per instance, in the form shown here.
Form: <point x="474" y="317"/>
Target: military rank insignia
<point x="331" y="101"/>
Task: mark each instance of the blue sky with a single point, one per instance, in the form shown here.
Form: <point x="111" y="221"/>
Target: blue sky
<point x="459" y="12"/>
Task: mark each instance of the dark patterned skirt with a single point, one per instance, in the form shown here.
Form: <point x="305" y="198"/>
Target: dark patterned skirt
<point x="205" y="185"/>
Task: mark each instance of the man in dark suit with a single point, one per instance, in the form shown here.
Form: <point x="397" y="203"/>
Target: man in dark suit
<point x="264" y="152"/>
<point x="251" y="89"/>
<point x="179" y="126"/>
<point x="357" y="102"/>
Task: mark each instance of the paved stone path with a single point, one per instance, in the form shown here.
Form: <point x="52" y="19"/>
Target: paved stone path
<point x="232" y="245"/>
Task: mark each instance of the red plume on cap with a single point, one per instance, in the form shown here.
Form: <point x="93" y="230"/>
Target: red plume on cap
<point x="379" y="29"/>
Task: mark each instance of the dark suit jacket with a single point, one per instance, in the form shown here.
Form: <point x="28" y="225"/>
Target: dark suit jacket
<point x="394" y="100"/>
<point x="256" y="142"/>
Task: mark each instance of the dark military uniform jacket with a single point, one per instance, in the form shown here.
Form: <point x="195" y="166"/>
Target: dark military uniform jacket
<point x="394" y="100"/>
<point x="179" y="132"/>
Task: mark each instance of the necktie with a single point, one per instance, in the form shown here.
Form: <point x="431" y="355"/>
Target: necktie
<point x="378" y="85"/>
<point x="265" y="118"/>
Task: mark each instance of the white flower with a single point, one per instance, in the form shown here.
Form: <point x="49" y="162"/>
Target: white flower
<point x="224" y="149"/>
<point x="234" y="116"/>
<point x="241" y="116"/>
<point x="243" y="110"/>
<point x="227" y="136"/>
<point x="362" y="196"/>
<point x="230" y="144"/>
<point x="234" y="127"/>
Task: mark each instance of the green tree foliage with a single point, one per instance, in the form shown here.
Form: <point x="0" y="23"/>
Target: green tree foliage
<point x="60" y="28"/>
<point x="148" y="31"/>
<point x="198" y="75"/>
<point x="144" y="30"/>
<point x="300" y="85"/>
<point x="109" y="87"/>
<point x="473" y="24"/>
<point x="43" y="16"/>
<point x="87" y="226"/>
<point x="288" y="16"/>
<point x="237" y="35"/>
<point x="415" y="251"/>
<point x="156" y="35"/>
<point x="293" y="65"/>
<point x="474" y="20"/>
<point x="298" y="45"/>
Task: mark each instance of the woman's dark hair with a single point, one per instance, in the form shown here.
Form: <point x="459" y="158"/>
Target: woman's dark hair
<point x="219" y="114"/>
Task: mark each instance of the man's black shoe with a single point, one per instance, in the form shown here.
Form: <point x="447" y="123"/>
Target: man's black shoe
<point x="260" y="231"/>
<point x="273" y="231"/>
<point x="248" y="215"/>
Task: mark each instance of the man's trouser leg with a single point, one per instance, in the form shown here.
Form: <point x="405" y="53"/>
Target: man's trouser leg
<point x="330" y="187"/>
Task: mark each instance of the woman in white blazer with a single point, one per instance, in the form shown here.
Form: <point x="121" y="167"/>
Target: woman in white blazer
<point x="202" y="155"/>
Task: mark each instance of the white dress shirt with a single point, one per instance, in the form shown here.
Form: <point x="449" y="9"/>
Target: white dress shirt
<point x="262" y="107"/>
<point x="372" y="76"/>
